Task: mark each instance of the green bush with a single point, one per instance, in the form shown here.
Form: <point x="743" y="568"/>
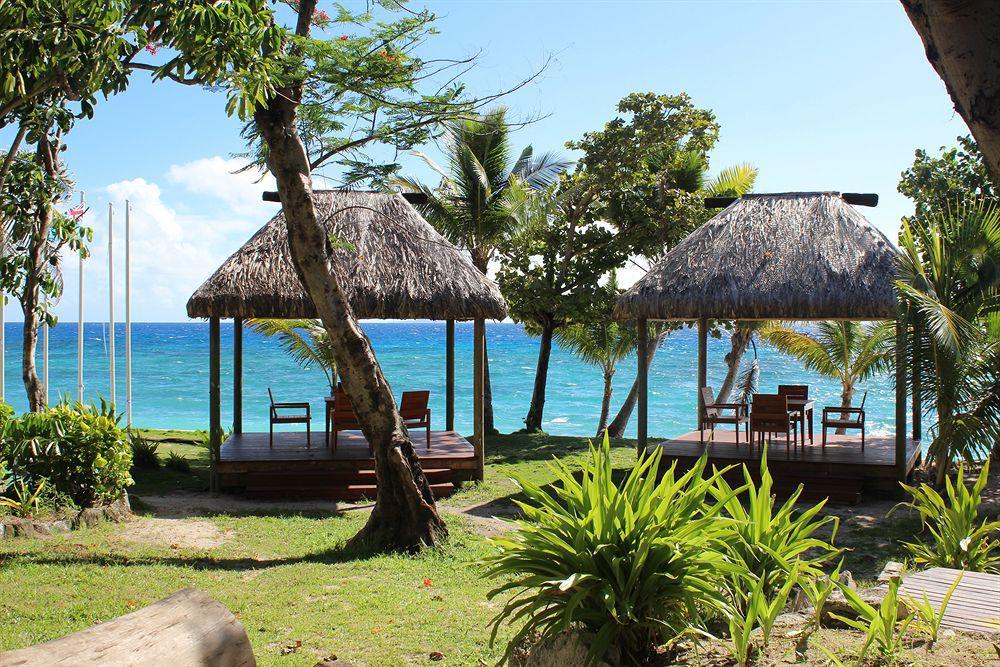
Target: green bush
<point x="144" y="452"/>
<point x="633" y="564"/>
<point x="178" y="463"/>
<point x="79" y="449"/>
<point x="959" y="539"/>
<point x="6" y="412"/>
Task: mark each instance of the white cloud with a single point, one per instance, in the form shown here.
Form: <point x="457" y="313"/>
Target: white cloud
<point x="215" y="177"/>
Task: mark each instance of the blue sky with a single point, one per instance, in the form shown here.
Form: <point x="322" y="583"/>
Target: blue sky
<point x="817" y="95"/>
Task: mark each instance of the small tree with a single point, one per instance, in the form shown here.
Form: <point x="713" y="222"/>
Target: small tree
<point x="601" y="341"/>
<point x="306" y="341"/>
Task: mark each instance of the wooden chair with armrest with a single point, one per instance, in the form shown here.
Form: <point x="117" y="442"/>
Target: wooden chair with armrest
<point x="769" y="414"/>
<point x="414" y="411"/>
<point x="278" y="417"/>
<point x="798" y="416"/>
<point x="846" y="418"/>
<point x="713" y="413"/>
<point x="343" y="418"/>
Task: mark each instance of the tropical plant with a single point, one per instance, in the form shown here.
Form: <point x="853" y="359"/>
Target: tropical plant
<point x="177" y="463"/>
<point x="928" y="619"/>
<point x="144" y="454"/>
<point x="80" y="450"/>
<point x="959" y="539"/>
<point x="753" y="614"/>
<point x="21" y="500"/>
<point x="850" y="352"/>
<point x="770" y="543"/>
<point x="950" y="282"/>
<point x="818" y="589"/>
<point x="882" y="626"/>
<point x="634" y="563"/>
<point x="306" y="341"/>
<point x="601" y="341"/>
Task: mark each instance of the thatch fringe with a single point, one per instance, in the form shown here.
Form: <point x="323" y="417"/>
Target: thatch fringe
<point x="390" y="261"/>
<point x="795" y="256"/>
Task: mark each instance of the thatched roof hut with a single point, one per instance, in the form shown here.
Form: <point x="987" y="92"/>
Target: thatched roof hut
<point x="391" y="262"/>
<point x="793" y="256"/>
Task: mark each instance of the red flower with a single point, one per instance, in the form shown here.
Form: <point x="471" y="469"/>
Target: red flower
<point x="152" y="48"/>
<point x="427" y="583"/>
<point x="320" y="16"/>
<point x="343" y="38"/>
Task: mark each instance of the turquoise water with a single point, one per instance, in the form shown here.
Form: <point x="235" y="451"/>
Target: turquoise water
<point x="170" y="376"/>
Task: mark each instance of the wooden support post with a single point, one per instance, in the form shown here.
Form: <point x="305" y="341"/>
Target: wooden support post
<point x="449" y="372"/>
<point x="237" y="375"/>
<point x="214" y="397"/>
<point x="702" y="363"/>
<point x="478" y="398"/>
<point x="901" y="398"/>
<point x="642" y="375"/>
<point x="917" y="407"/>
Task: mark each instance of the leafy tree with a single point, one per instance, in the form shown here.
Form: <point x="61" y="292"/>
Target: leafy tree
<point x="602" y="342"/>
<point x="471" y="207"/>
<point x="305" y="340"/>
<point x="951" y="283"/>
<point x="957" y="174"/>
<point x="549" y="269"/>
<point x="850" y="352"/>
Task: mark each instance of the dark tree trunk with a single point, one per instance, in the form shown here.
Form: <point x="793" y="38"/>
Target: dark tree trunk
<point x="47" y="156"/>
<point x="616" y="429"/>
<point x="481" y="262"/>
<point x="533" y="422"/>
<point x="602" y="424"/>
<point x="962" y="43"/>
<point x="404" y="516"/>
<point x="737" y="347"/>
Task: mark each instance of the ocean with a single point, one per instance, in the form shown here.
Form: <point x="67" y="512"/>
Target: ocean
<point x="170" y="376"/>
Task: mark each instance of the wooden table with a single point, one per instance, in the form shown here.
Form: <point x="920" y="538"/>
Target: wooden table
<point x="805" y="406"/>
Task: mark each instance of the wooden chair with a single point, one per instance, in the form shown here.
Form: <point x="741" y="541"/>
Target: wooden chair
<point x="848" y="418"/>
<point x="278" y="418"/>
<point x="414" y="411"/>
<point x="769" y="414"/>
<point x="344" y="418"/>
<point x="713" y="413"/>
<point x="798" y="416"/>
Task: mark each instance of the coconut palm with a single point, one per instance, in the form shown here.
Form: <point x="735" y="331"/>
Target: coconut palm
<point x="306" y="341"/>
<point x="470" y="207"/>
<point x="950" y="279"/>
<point x="847" y="351"/>
<point x="602" y="342"/>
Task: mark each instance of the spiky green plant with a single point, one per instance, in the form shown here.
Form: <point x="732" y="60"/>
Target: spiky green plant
<point x="959" y="539"/>
<point x="306" y="341"/>
<point x="882" y="626"/>
<point x="20" y="499"/>
<point x="927" y="617"/>
<point x="633" y="564"/>
<point x="768" y="541"/>
<point x="753" y="614"/>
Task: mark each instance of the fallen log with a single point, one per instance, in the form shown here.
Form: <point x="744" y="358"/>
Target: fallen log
<point x="186" y="629"/>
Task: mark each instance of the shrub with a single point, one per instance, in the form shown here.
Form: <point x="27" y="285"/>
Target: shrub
<point x="956" y="539"/>
<point x="79" y="449"/>
<point x="768" y="543"/>
<point x="6" y="412"/>
<point x="753" y="610"/>
<point x="144" y="454"/>
<point x="19" y="499"/>
<point x="633" y="564"/>
<point x="178" y="463"/>
<point x="882" y="626"/>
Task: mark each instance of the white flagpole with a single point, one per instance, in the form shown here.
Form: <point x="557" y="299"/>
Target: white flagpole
<point x="45" y="358"/>
<point x="3" y="327"/>
<point x="111" y="299"/>
<point x="79" y="327"/>
<point x="128" y="312"/>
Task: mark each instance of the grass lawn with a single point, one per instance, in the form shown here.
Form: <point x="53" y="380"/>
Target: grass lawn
<point x="300" y="595"/>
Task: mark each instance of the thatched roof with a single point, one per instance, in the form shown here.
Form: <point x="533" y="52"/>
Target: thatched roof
<point x="793" y="256"/>
<point x="390" y="261"/>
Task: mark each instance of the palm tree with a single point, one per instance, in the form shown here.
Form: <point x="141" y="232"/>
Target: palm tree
<point x="305" y="340"/>
<point x="470" y="207"/>
<point x="602" y="342"/>
<point x="847" y="351"/>
<point x="950" y="280"/>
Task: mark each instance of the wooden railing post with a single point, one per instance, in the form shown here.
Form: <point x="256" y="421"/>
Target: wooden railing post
<point x="214" y="398"/>
<point x="642" y="375"/>
<point x="900" y="459"/>
<point x="702" y="364"/>
<point x="449" y="366"/>
<point x="237" y="375"/>
<point x="479" y="388"/>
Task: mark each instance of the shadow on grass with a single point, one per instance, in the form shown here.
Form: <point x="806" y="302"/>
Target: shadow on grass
<point x="521" y="447"/>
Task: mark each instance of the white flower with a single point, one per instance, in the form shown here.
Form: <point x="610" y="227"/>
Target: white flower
<point x="965" y="544"/>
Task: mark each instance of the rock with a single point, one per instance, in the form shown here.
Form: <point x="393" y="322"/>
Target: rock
<point x="793" y="620"/>
<point x="41" y="528"/>
<point x="88" y="517"/>
<point x="566" y="648"/>
<point x="119" y="510"/>
<point x="59" y="527"/>
<point x="22" y="527"/>
<point x="3" y="531"/>
<point x="837" y="603"/>
<point x="891" y="569"/>
<point x="326" y="662"/>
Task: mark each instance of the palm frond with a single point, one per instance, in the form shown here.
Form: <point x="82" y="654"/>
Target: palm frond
<point x="733" y="181"/>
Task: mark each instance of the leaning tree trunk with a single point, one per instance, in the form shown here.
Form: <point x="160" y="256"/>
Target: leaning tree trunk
<point x="602" y="424"/>
<point x="962" y="43"/>
<point x="738" y="342"/>
<point x="533" y="422"/>
<point x="616" y="429"/>
<point x="47" y="155"/>
<point x="481" y="262"/>
<point x="404" y="516"/>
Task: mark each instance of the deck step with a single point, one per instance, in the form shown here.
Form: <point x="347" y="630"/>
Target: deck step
<point x="842" y="491"/>
<point x="351" y="492"/>
<point x="325" y="479"/>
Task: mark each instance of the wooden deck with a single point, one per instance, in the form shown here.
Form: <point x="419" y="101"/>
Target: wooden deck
<point x="974" y="606"/>
<point x="840" y="471"/>
<point x="293" y="469"/>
